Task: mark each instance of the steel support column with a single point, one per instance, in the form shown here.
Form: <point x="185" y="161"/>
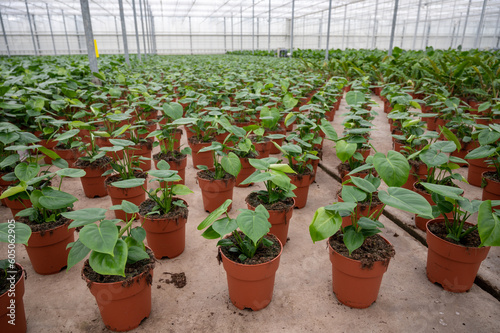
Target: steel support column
<point x="51" y="31"/>
<point x="375" y="26"/>
<point x="225" y="42"/>
<point x="78" y="35"/>
<point x="65" y="31"/>
<point x="190" y="36"/>
<point x="4" y="35"/>
<point x="31" y="28"/>
<point x="143" y="31"/>
<point x="269" y="29"/>
<point x="466" y="21"/>
<point x="479" y="36"/>
<point x="393" y="28"/>
<point x="124" y="32"/>
<point x="253" y="25"/>
<point x="136" y="31"/>
<point x="291" y="29"/>
<point x="327" y="50"/>
<point x="89" y="36"/>
<point x="117" y="35"/>
<point x="416" y="24"/>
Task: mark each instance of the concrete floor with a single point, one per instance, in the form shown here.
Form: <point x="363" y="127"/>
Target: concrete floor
<point x="303" y="298"/>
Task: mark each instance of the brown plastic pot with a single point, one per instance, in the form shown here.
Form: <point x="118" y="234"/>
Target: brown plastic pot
<point x="104" y="142"/>
<point x="166" y="237"/>
<point x="263" y="148"/>
<point x="279" y="142"/>
<point x="492" y="189"/>
<point x="476" y="169"/>
<point x="346" y="220"/>
<point x="13" y="312"/>
<point x="179" y="166"/>
<point x="204" y="158"/>
<point x="280" y="221"/>
<point x="353" y="285"/>
<point x="251" y="286"/>
<point x="47" y="251"/>
<point x="215" y="192"/>
<point x="93" y="182"/>
<point x="416" y="173"/>
<point x="16" y="206"/>
<point x="246" y="170"/>
<point x="421" y="222"/>
<point x="453" y="266"/>
<point x="142" y="151"/>
<point x="69" y="155"/>
<point x="135" y="195"/>
<point x="123" y="308"/>
<point x="49" y="145"/>
<point x="302" y="191"/>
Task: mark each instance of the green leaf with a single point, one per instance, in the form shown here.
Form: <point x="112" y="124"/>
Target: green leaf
<point x="433" y="158"/>
<point x="450" y="137"/>
<point x="289" y="102"/>
<point x="55" y="199"/>
<point x="135" y="254"/>
<point x="345" y="150"/>
<point x="173" y="110"/>
<point x="21" y="231"/>
<point x="282" y="167"/>
<point x="25" y="172"/>
<point x="393" y="169"/>
<point x="9" y="161"/>
<point x="85" y="216"/>
<point x="74" y="173"/>
<point x="107" y="264"/>
<point x="324" y="224"/>
<point x="231" y="164"/>
<point x="138" y="233"/>
<point x="488" y="225"/>
<point x="366" y="223"/>
<point x="363" y="184"/>
<point x="328" y="129"/>
<point x="128" y="207"/>
<point x="181" y="190"/>
<point x="353" y="239"/>
<point x="254" y="224"/>
<point x="12" y="191"/>
<point x="210" y="233"/>
<point x="487" y="137"/>
<point x="129" y="183"/>
<point x="259" y="164"/>
<point x="77" y="253"/>
<point x="67" y="135"/>
<point x="100" y="238"/>
<point x="406" y="200"/>
<point x="481" y="152"/>
<point x="257" y="177"/>
<point x="215" y="215"/>
<point x="224" y="226"/>
<point x="355" y="98"/>
<point x="50" y="153"/>
<point x="352" y="194"/>
<point x="446" y="191"/>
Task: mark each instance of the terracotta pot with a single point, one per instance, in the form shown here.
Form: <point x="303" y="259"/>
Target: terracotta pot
<point x="301" y="192"/>
<point x="104" y="142"/>
<point x="123" y="308"/>
<point x="49" y="145"/>
<point x="360" y="211"/>
<point x="166" y="237"/>
<point x="476" y="169"/>
<point x="47" y="251"/>
<point x="177" y="138"/>
<point x="69" y="155"/>
<point x="330" y="114"/>
<point x="246" y="170"/>
<point x="179" y="166"/>
<point x="13" y="312"/>
<point x="365" y="152"/>
<point x="416" y="173"/>
<point x="251" y="286"/>
<point x="280" y="221"/>
<point x="465" y="148"/>
<point x="353" y="285"/>
<point x="93" y="182"/>
<point x="135" y="195"/>
<point x="215" y="192"/>
<point x="453" y="266"/>
<point x="421" y="222"/>
<point x="275" y="150"/>
<point x="3" y="186"/>
<point x="150" y="128"/>
<point x="16" y="206"/>
<point x="143" y="151"/>
<point x="263" y="148"/>
<point x="491" y="191"/>
<point x="204" y="158"/>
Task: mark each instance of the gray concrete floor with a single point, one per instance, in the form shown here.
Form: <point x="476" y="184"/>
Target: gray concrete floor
<point x="303" y="298"/>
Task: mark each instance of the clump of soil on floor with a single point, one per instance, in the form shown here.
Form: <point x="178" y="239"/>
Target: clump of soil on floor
<point x="471" y="240"/>
<point x="374" y="248"/>
<point x="177" y="279"/>
<point x="262" y="255"/>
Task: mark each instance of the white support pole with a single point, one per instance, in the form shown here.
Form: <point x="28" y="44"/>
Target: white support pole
<point x="89" y="36"/>
<point x="143" y="31"/>
<point x="291" y="29"/>
<point x="258" y="33"/>
<point x="479" y="35"/>
<point x="65" y="31"/>
<point x="31" y="28"/>
<point x="36" y="33"/>
<point x="465" y="24"/>
<point x="117" y="35"/>
<point x="403" y="33"/>
<point x="375" y="26"/>
<point x="345" y="22"/>
<point x="146" y="19"/>
<point x="124" y="32"/>
<point x="253" y="25"/>
<point x="153" y="31"/>
<point x="136" y="31"/>
<point x="4" y="35"/>
<point x="51" y="31"/>
<point x="327" y="50"/>
<point x="416" y="24"/>
<point x="78" y="35"/>
<point x="320" y="32"/>
<point x="241" y="27"/>
<point x="225" y="42"/>
<point x="232" y="33"/>
<point x="393" y="28"/>
<point x="269" y="29"/>
<point x="190" y="36"/>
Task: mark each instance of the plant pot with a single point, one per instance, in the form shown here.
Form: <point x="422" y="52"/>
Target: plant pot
<point x="204" y="158"/>
<point x="49" y="145"/>
<point x="263" y="148"/>
<point x="69" y="155"/>
<point x="104" y="142"/>
<point x="453" y="266"/>
<point x="279" y="142"/>
<point x="361" y="210"/>
<point x="215" y="192"/>
<point x="123" y="306"/>
<point x="491" y="191"/>
<point x="12" y="307"/>
<point x="476" y="169"/>
<point x="165" y="236"/>
<point x="302" y="191"/>
<point x="143" y="150"/>
<point x="135" y="195"/>
<point x="421" y="222"/>
<point x="251" y="286"/>
<point x="418" y="171"/>
<point x="16" y="206"/>
<point x="177" y="138"/>
<point x="179" y="166"/>
<point x="93" y="182"/>
<point x="330" y="114"/>
<point x="280" y="221"/>
<point x="47" y="250"/>
<point x="246" y="170"/>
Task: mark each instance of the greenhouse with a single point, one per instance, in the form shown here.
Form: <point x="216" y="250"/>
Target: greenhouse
<point x="234" y="166"/>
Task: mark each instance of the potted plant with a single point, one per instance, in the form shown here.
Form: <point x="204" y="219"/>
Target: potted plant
<point x="50" y="235"/>
<point x="457" y="247"/>
<point x="12" y="276"/>
<point x="119" y="270"/>
<point x="277" y="197"/>
<point x="250" y="277"/>
<point x="217" y="184"/>
<point x="356" y="271"/>
<point x="270" y="120"/>
<point x="163" y="215"/>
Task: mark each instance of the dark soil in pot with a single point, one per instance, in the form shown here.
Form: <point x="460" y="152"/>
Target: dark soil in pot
<point x="115" y="178"/>
<point x="471" y="240"/>
<point x="196" y="140"/>
<point x="44" y="227"/>
<point x="100" y="163"/>
<point x="253" y="200"/>
<point x="131" y="270"/>
<point x="170" y="156"/>
<point x="4" y="283"/>
<point x="176" y="212"/>
<point x="209" y="175"/>
<point x="492" y="175"/>
<point x="373" y="249"/>
<point x="262" y="255"/>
